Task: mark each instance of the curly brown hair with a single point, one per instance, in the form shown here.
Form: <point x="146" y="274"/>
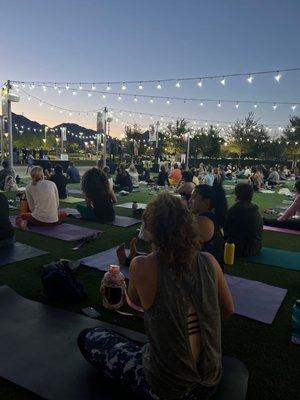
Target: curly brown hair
<point x="173" y="231"/>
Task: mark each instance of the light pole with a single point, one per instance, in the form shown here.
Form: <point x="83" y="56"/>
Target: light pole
<point x="2" y="137"/>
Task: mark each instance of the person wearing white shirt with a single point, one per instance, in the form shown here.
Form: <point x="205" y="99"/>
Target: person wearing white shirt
<point x="43" y="202"/>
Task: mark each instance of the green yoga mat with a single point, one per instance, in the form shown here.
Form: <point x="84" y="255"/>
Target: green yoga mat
<point x="72" y="200"/>
<point x="277" y="258"/>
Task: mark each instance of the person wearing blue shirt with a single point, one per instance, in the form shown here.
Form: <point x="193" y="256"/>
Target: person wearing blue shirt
<point x="73" y="173"/>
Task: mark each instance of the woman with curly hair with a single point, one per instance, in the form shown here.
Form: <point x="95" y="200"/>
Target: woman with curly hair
<point x="183" y="294"/>
<point x="98" y="195"/>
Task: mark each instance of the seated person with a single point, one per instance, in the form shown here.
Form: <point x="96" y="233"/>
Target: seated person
<point x="195" y="176"/>
<point x="60" y="180"/>
<point x="145" y="176"/>
<point x="210" y="206"/>
<point x="186" y="185"/>
<point x="175" y="175"/>
<point x="273" y="178"/>
<point x="209" y="177"/>
<point x="73" y="175"/>
<point x="134" y="176"/>
<point x="244" y="225"/>
<point x="162" y="178"/>
<point x="256" y="179"/>
<point x="172" y="285"/>
<point x="123" y="180"/>
<point x="43" y="202"/>
<point x="7" y="236"/>
<point x="6" y="171"/>
<point x="106" y="170"/>
<point x="99" y="197"/>
<point x="10" y="184"/>
<point x="48" y="171"/>
<point x="285" y="221"/>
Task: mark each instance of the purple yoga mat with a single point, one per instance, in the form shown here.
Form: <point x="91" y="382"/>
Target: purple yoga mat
<point x="254" y="299"/>
<point x="281" y="230"/>
<point x="64" y="231"/>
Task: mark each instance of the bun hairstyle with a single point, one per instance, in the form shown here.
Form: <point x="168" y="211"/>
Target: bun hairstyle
<point x="36" y="174"/>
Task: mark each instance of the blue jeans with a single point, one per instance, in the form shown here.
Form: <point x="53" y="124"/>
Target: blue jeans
<point x="121" y="359"/>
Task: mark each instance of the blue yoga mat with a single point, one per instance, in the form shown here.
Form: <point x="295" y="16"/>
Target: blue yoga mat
<point x="18" y="252"/>
<point x="277" y="258"/>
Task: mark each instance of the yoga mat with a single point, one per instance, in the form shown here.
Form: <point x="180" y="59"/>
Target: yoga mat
<point x="18" y="252"/>
<point x="277" y="258"/>
<point x="72" y="200"/>
<point x="266" y="191"/>
<point x="38" y="351"/>
<point x="124" y="222"/>
<point x="64" y="231"/>
<point x="129" y="205"/>
<point x="281" y="230"/>
<point x="254" y="299"/>
<point x="103" y="260"/>
<point x="74" y="191"/>
<point x="72" y="212"/>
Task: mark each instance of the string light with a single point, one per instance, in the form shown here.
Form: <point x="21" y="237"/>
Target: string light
<point x="294" y="107"/>
<point x="158" y="85"/>
<point x="108" y="87"/>
<point x="151" y="101"/>
<point x="250" y="78"/>
<point x="274" y="107"/>
<point x="135" y="99"/>
<point x="119" y="98"/>
<point x="89" y="94"/>
<point x="80" y="86"/>
<point x="140" y="86"/>
<point x="223" y="81"/>
<point x="201" y="104"/>
<point x="177" y="84"/>
<point x="278" y="76"/>
<point x="67" y="87"/>
<point x="219" y="104"/>
<point x="237" y="105"/>
<point x="199" y="84"/>
<point x="255" y="105"/>
<point x="74" y="92"/>
<point x="168" y="102"/>
<point x="103" y="96"/>
<point x="124" y="86"/>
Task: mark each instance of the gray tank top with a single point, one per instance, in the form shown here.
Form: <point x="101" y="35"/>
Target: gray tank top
<point x="167" y="359"/>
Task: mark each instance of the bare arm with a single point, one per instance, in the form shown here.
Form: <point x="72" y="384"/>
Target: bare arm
<point x="206" y="229"/>
<point x="224" y="294"/>
<point x="113" y="196"/>
<point x="132" y="290"/>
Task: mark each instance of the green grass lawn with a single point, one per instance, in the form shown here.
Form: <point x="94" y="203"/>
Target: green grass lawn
<point x="273" y="362"/>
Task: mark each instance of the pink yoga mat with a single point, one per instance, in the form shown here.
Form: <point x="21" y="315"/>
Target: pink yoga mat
<point x="281" y="230"/>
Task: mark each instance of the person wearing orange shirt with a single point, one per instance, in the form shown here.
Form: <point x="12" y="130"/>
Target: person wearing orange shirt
<point x="175" y="176"/>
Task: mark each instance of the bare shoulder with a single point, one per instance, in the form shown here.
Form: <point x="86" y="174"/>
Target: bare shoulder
<point x="140" y="264"/>
<point x="213" y="263"/>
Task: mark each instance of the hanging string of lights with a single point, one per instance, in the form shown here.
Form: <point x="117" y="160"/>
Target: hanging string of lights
<point x="222" y="78"/>
<point x="130" y="113"/>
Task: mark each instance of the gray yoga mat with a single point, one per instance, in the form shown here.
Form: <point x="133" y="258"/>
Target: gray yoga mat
<point x="129" y="205"/>
<point x="123" y="222"/>
<point x="38" y="351"/>
<point x="74" y="191"/>
<point x="254" y="299"/>
<point x="63" y="231"/>
<point x="104" y="259"/>
<point x="18" y="252"/>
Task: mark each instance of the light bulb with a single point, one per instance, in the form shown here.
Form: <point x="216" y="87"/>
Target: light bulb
<point x="178" y="84"/>
<point x="89" y="94"/>
<point x="200" y="83"/>
<point x="294" y="107"/>
<point x="67" y="87"/>
<point x="44" y="88"/>
<point x="255" y="105"/>
<point x="74" y="92"/>
<point x="158" y="86"/>
<point x="124" y="86"/>
<point x="201" y="104"/>
<point x="219" y="104"/>
<point x="140" y="86"/>
<point x="250" y="78"/>
<point x="108" y="87"/>
<point x="151" y="100"/>
<point x="103" y="96"/>
<point x="168" y="102"/>
<point x="55" y="87"/>
<point x="28" y="98"/>
<point x="93" y="87"/>
<point x="135" y="99"/>
<point x="59" y="91"/>
<point x="278" y="76"/>
<point x="223" y="81"/>
<point x="237" y="105"/>
<point x="80" y="86"/>
<point x="41" y="103"/>
<point x="274" y="107"/>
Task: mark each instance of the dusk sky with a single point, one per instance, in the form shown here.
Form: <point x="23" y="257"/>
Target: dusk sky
<point x="105" y="41"/>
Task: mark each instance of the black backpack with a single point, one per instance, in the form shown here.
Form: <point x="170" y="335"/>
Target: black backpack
<point x="59" y="283"/>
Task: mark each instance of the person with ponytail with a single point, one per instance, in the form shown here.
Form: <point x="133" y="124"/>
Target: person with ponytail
<point x="210" y="205"/>
<point x="43" y="202"/>
<point x="183" y="294"/>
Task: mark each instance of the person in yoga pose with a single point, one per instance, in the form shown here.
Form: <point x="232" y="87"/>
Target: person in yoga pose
<point x="186" y="185"/>
<point x="98" y="195"/>
<point x="285" y="221"/>
<point x="60" y="181"/>
<point x="244" y="225"/>
<point x="7" y="236"/>
<point x="183" y="294"/>
<point x="43" y="202"/>
<point x="210" y="206"/>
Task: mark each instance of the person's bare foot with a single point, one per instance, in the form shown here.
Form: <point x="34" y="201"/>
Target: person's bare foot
<point x="133" y="251"/>
<point x="23" y="225"/>
<point x="121" y="254"/>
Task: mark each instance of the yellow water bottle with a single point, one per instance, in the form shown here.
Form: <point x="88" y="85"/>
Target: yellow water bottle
<point x="229" y="253"/>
